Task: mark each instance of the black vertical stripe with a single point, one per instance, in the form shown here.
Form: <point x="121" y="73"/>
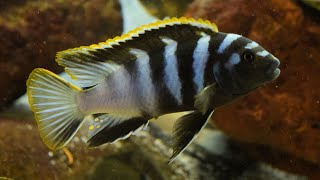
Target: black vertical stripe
<point x="214" y="45"/>
<point x="168" y="101"/>
<point x="187" y="38"/>
<point x="186" y="46"/>
<point x="155" y="49"/>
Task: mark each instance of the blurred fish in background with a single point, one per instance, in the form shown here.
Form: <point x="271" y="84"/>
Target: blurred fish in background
<point x="313" y="3"/>
<point x="166" y="8"/>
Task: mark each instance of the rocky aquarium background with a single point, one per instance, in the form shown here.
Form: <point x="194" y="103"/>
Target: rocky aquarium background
<point x="273" y="133"/>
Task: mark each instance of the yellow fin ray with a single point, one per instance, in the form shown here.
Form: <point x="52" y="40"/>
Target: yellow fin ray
<point x="80" y="62"/>
<point x="54" y="103"/>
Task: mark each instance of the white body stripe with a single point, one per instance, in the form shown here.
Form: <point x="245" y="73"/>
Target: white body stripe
<point x="251" y="45"/>
<point x="114" y="95"/>
<point x="263" y="53"/>
<point x="171" y="74"/>
<point x="120" y="82"/>
<point x="227" y="41"/>
<point x="145" y="84"/>
<point x="200" y="58"/>
<point x="233" y="60"/>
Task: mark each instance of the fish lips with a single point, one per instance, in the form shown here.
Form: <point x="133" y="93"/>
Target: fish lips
<point x="273" y="71"/>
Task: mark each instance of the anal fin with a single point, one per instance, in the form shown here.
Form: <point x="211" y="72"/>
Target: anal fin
<point x="186" y="129"/>
<point x="109" y="128"/>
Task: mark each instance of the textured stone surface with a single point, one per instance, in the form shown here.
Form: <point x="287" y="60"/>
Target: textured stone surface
<point x="31" y="32"/>
<point x="285" y="114"/>
<point x="145" y="156"/>
<point x="24" y="156"/>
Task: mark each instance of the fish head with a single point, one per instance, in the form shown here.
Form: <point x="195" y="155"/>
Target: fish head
<point x="245" y="66"/>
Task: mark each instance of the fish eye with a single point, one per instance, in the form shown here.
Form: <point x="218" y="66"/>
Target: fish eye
<point x="248" y="56"/>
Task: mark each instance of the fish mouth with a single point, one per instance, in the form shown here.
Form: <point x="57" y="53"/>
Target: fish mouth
<point x="275" y="74"/>
<point x="273" y="71"/>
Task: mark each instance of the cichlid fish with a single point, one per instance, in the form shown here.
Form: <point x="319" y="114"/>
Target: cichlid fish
<point x="173" y="65"/>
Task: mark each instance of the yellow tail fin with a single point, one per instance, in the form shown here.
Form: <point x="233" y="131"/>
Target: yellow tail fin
<point x="54" y="103"/>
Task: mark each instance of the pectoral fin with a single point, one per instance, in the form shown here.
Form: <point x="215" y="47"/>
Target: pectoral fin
<point x="185" y="130"/>
<point x="109" y="128"/>
<point x="203" y="98"/>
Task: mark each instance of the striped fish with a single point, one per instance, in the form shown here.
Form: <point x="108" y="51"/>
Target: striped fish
<point x="173" y="65"/>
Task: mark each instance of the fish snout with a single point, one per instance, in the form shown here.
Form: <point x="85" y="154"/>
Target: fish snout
<point x="273" y="71"/>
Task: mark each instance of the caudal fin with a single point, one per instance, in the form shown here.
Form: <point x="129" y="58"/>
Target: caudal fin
<point x="54" y="103"/>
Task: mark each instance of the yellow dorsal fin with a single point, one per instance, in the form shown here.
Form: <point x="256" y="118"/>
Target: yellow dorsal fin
<point x="81" y="63"/>
<point x="200" y="23"/>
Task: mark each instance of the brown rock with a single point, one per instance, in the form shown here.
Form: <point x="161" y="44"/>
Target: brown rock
<point x="23" y="155"/>
<point x="286" y="113"/>
<point x="31" y="32"/>
<point x="281" y="160"/>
